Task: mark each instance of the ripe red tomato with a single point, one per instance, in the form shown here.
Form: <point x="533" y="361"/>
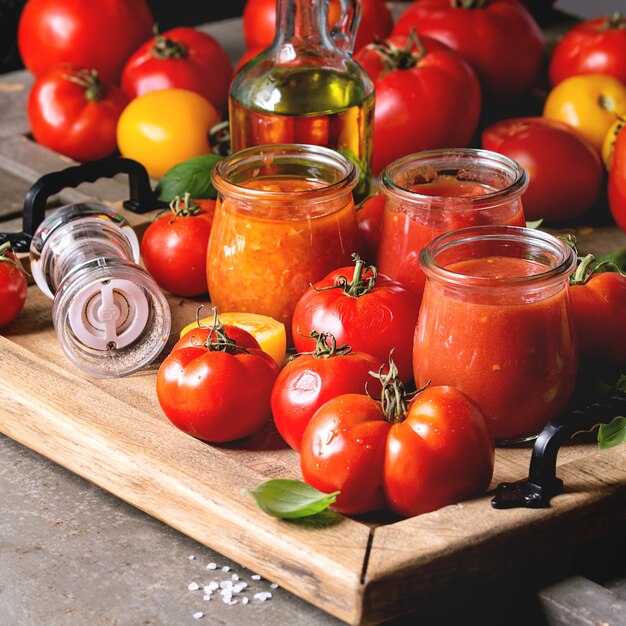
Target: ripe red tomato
<point x="71" y="111"/>
<point x="413" y="460"/>
<point x="369" y="312"/>
<point x="101" y="35"/>
<point x="259" y="22"/>
<point x="182" y="57"/>
<point x="426" y="97"/>
<point x="565" y="172"/>
<point x="617" y="181"/>
<point x="599" y="310"/>
<point x="490" y="35"/>
<point x="13" y="286"/>
<point x="369" y="219"/>
<point x="311" y="379"/>
<point x="214" y="388"/>
<point x="174" y="247"/>
<point x="596" y="46"/>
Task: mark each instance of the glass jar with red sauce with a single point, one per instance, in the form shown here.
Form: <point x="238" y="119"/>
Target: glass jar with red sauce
<point x="495" y="322"/>
<point x="284" y="219"/>
<point x="436" y="191"/>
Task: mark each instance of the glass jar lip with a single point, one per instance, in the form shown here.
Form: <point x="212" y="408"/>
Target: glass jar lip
<point x="564" y="255"/>
<point x="346" y="182"/>
<point x="451" y="157"/>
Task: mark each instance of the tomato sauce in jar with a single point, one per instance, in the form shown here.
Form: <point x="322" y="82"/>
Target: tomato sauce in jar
<point x="284" y="218"/>
<point x="495" y="322"/>
<point x="433" y="192"/>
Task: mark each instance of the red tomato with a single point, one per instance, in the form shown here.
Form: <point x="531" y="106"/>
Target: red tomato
<point x="174" y="247"/>
<point x="99" y="34"/>
<point x="259" y="22"/>
<point x="424" y="76"/>
<point x="596" y="46"/>
<point x="436" y="452"/>
<point x="72" y="112"/>
<point x="182" y="57"/>
<point x="371" y="313"/>
<point x="617" y="181"/>
<point x="565" y="172"/>
<point x="369" y="219"/>
<point x="309" y="380"/>
<point x="217" y="391"/>
<point x="13" y="286"/>
<point x="490" y="35"/>
<point x="599" y="311"/>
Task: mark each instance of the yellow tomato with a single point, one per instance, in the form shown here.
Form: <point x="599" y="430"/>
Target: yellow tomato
<point x="608" y="145"/>
<point x="266" y="330"/>
<point x="589" y="103"/>
<point x="163" y="128"/>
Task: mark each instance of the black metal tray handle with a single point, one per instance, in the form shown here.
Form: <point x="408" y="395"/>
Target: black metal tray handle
<point x="542" y="482"/>
<point x="141" y="200"/>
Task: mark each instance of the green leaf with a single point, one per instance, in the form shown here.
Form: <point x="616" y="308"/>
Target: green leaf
<point x="290" y="499"/>
<point x="618" y="257"/>
<point x="192" y="176"/>
<point x="534" y="224"/>
<point x="612" y="434"/>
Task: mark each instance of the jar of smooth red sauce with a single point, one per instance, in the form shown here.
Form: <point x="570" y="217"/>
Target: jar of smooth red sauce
<point x="284" y="219"/>
<point x="495" y="322"/>
<point x="433" y="192"/>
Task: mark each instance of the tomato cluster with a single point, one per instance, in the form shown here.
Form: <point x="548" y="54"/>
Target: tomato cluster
<point x="88" y="80"/>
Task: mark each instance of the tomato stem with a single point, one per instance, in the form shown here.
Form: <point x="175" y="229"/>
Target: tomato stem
<point x="164" y="48"/>
<point x="217" y="340"/>
<point x="614" y="21"/>
<point x="467" y="4"/>
<point x="359" y="285"/>
<point x="324" y="350"/>
<point x="184" y="207"/>
<point x="396" y="58"/>
<point x="89" y="81"/>
<point x="6" y="255"/>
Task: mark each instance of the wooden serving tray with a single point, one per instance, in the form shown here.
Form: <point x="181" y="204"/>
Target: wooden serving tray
<point x="113" y="433"/>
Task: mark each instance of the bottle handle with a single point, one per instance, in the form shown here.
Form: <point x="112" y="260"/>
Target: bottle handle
<point x="343" y="33"/>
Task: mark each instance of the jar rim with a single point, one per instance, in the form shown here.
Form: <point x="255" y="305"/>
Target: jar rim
<point x="264" y="155"/>
<point x="450" y="158"/>
<point x="506" y="237"/>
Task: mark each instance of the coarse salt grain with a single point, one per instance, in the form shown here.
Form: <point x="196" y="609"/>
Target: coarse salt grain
<point x="193" y="586"/>
<point x="206" y="596"/>
<point x="198" y="615"/>
<point x="244" y="600"/>
<point x="212" y="586"/>
<point x="212" y="566"/>
<point x="191" y="557"/>
<point x="235" y="577"/>
<point x="226" y="569"/>
<point x="256" y="577"/>
<point x="262" y="596"/>
<point x="239" y="587"/>
<point x="274" y="586"/>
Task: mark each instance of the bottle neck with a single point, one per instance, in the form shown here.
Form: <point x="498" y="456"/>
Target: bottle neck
<point x="302" y="21"/>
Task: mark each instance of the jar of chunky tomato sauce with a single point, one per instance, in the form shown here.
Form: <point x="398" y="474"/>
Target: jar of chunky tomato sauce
<point x="284" y="219"/>
<point x="433" y="192"/>
<point x="495" y="322"/>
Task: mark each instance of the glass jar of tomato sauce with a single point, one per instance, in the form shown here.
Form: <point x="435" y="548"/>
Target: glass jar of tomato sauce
<point x="436" y="191"/>
<point x="284" y="219"/>
<point x="495" y="322"/>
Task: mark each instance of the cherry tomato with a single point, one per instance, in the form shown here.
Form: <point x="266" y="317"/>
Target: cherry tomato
<point x="163" y="128"/>
<point x="599" y="310"/>
<point x="182" y="57"/>
<point x="369" y="219"/>
<point x="369" y="312"/>
<point x="100" y="35"/>
<point x="310" y="379"/>
<point x="489" y="35"/>
<point x="565" y="172"/>
<point x="13" y="286"/>
<point x="413" y="74"/>
<point x="596" y="46"/>
<point x="589" y="103"/>
<point x="259" y="22"/>
<point x="412" y="460"/>
<point x="617" y="181"/>
<point x="72" y="112"/>
<point x="217" y="390"/>
<point x="174" y="247"/>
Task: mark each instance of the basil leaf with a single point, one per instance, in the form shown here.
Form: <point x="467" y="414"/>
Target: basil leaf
<point x="192" y="176"/>
<point x="612" y="434"/>
<point x="290" y="499"/>
<point x="618" y="257"/>
<point x="534" y="224"/>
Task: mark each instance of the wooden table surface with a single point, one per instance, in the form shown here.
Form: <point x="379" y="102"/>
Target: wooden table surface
<point x="73" y="554"/>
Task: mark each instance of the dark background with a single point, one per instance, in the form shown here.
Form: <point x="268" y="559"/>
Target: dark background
<point x="167" y="13"/>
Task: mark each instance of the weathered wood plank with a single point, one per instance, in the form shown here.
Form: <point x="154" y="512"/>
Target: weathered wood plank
<point x="14" y="88"/>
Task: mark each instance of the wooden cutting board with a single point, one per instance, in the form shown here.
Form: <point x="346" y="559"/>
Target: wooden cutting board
<point x="113" y="433"/>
